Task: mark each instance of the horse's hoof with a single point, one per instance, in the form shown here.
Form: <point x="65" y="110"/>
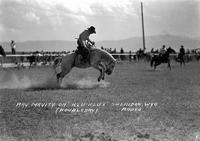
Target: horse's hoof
<point x="99" y="79"/>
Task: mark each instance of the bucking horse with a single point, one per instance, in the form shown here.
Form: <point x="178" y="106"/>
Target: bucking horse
<point x="164" y="58"/>
<point x="97" y="58"/>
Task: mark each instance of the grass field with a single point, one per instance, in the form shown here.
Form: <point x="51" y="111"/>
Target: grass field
<point x="135" y="103"/>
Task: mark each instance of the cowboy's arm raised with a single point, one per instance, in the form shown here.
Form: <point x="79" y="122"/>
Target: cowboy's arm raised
<point x="88" y="39"/>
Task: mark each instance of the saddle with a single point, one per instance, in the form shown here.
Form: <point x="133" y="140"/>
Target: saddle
<point x="83" y="55"/>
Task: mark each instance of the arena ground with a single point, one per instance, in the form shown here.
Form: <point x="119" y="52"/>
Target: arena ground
<point x="135" y="103"/>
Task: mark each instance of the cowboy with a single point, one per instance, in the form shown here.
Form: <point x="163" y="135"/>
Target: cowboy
<point x="182" y="50"/>
<point x="181" y="55"/>
<point x="83" y="40"/>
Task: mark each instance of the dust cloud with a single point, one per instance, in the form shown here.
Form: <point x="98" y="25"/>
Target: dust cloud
<point x="85" y="83"/>
<point x="16" y="80"/>
<point x="12" y="80"/>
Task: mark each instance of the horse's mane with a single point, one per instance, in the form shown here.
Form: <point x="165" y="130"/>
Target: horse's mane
<point x="104" y="54"/>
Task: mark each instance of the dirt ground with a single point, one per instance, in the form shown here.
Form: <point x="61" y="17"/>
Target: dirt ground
<point x="135" y="103"/>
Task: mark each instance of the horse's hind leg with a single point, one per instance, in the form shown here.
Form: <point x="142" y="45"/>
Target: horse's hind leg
<point x="155" y="65"/>
<point x="59" y="80"/>
<point x="169" y="65"/>
<point x="62" y="74"/>
<point x="58" y="77"/>
<point x="183" y="62"/>
<point x="151" y="63"/>
<point x="102" y="72"/>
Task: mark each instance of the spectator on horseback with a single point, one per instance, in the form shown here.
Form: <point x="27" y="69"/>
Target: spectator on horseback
<point x="122" y="52"/>
<point x="83" y="40"/>
<point x="182" y="50"/>
<point x="152" y="50"/>
<point x="181" y="55"/>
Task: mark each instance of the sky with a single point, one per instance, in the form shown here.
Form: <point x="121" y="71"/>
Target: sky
<point x="23" y="20"/>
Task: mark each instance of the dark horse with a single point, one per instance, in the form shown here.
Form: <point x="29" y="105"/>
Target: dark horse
<point x="2" y="53"/>
<point x="164" y="58"/>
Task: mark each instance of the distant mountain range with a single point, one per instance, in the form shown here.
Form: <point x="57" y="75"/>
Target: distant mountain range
<point x="132" y="44"/>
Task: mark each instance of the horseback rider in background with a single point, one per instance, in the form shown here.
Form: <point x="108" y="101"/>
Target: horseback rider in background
<point x="162" y="50"/>
<point x="83" y="46"/>
<point x="181" y="55"/>
<point x="182" y="50"/>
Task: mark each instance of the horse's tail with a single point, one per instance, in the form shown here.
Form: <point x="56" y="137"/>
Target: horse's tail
<point x="56" y="61"/>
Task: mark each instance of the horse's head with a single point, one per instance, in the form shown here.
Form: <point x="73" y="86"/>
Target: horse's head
<point x="170" y="50"/>
<point x="105" y="58"/>
<point x="110" y="67"/>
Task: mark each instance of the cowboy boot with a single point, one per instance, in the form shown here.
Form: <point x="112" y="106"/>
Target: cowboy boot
<point x="83" y="59"/>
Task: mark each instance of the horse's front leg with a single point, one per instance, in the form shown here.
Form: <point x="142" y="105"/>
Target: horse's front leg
<point x="102" y="69"/>
<point x="100" y="77"/>
<point x="181" y="63"/>
<point x="169" y="65"/>
<point x="155" y="64"/>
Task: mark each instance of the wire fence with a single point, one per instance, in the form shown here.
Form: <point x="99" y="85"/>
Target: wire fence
<point x="47" y="59"/>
